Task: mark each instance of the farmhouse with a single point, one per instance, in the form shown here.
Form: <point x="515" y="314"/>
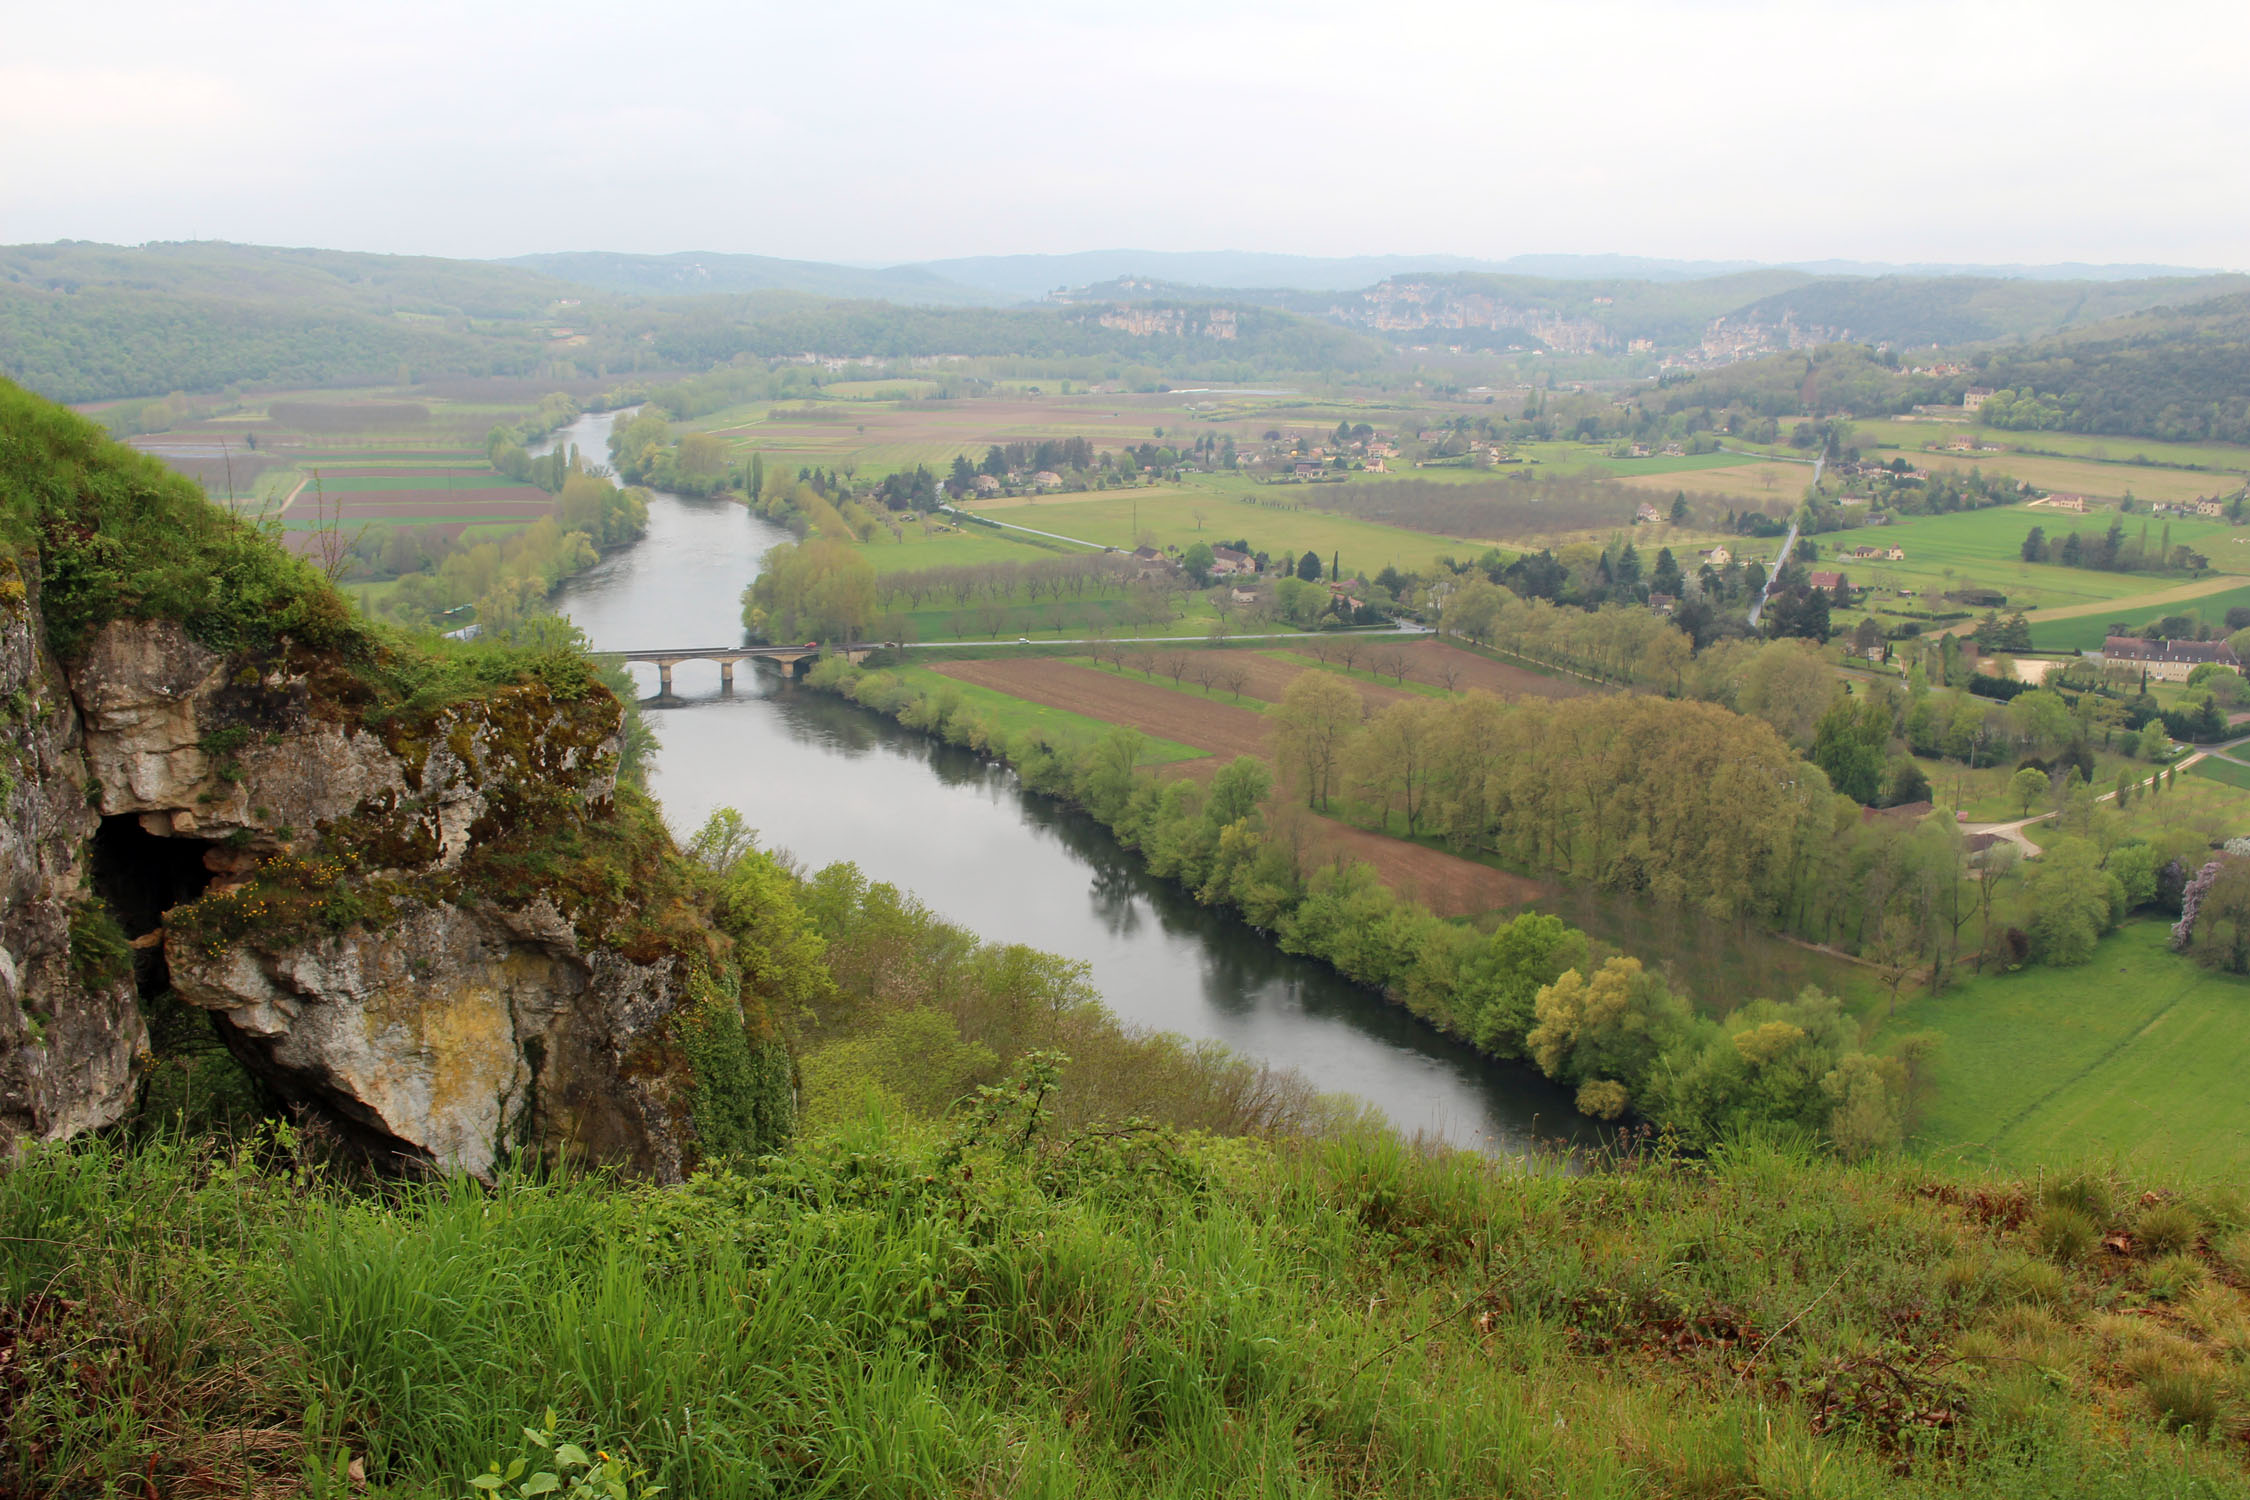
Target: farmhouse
<point x="1646" y="514"/>
<point x="1718" y="557"/>
<point x="2076" y="503"/>
<point x="2210" y="508"/>
<point x="2167" y="661"/>
<point x="987" y="485"/>
<point x="1047" y="479"/>
<point x="1975" y="396"/>
<point x="1894" y="553"/>
<point x="1866" y="552"/>
<point x="1663" y="604"/>
<point x="1226" y="560"/>
<point x="1829" y="581"/>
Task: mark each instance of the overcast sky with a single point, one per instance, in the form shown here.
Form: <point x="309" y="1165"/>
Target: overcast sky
<point x="878" y="132"/>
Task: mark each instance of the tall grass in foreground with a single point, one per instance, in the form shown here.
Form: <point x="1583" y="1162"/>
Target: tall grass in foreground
<point x="994" y="1308"/>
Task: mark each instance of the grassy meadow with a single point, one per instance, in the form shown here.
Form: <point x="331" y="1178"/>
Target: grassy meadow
<point x="2135" y="1059"/>
<point x="1984" y="549"/>
<point x="2085" y="632"/>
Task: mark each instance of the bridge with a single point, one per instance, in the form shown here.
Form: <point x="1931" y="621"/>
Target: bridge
<point x="790" y="659"/>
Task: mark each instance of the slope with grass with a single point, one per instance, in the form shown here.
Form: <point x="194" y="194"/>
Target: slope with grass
<point x="2135" y="1058"/>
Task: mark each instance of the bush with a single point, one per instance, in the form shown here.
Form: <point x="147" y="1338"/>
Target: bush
<point x="2036" y="1281"/>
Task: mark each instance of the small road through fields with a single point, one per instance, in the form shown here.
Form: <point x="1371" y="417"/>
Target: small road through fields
<point x="2013" y="830"/>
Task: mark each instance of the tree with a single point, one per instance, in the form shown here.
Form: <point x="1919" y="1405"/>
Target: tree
<point x="1679" y="507"/>
<point x="2030" y="785"/>
<point x="1611" y="1027"/>
<point x="1308" y="567"/>
<point x="2073" y="902"/>
<point x="1197" y="560"/>
<point x="1317" y="718"/>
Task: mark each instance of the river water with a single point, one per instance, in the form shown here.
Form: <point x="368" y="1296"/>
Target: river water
<point x="826" y="780"/>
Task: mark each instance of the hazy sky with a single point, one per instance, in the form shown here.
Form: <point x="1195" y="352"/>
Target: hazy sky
<point x="876" y="132"/>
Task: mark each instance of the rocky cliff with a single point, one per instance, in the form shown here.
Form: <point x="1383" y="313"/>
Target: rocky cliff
<point x="406" y="888"/>
<point x="70" y="1031"/>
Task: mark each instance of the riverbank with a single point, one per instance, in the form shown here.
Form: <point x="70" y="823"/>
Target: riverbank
<point x="1530" y="989"/>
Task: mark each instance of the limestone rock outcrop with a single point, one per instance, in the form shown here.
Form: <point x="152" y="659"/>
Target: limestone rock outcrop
<point x="451" y="1035"/>
<point x="70" y="1032"/>
<point x="432" y="1019"/>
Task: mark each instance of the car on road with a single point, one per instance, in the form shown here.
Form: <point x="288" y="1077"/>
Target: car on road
<point x="1023" y="640"/>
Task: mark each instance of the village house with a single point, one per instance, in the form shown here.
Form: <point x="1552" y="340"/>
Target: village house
<point x="1829" y="581"/>
<point x="1242" y="595"/>
<point x="1047" y="479"/>
<point x="1226" y="561"/>
<point x="1975" y="396"/>
<point x="1646" y="514"/>
<point x="2167" y="661"/>
<point x="1717" y="557"/>
<point x="1663" y="604"/>
<point x="985" y="484"/>
<point x="1862" y="553"/>
<point x="2074" y="503"/>
<point x="2210" y="508"/>
<point x="1150" y="561"/>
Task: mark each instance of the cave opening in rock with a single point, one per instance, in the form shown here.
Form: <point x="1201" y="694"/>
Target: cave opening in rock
<point x="141" y="876"/>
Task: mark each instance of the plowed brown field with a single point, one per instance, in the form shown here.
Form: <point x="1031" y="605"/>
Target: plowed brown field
<point x="1219" y="728"/>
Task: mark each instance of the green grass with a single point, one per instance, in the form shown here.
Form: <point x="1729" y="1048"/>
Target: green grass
<point x="917" y="1309"/>
<point x="2226" y="772"/>
<point x="2093" y="447"/>
<point x="2135" y="1057"/>
<point x="1984" y="549"/>
<point x="2086" y="632"/>
<point x="1011" y="716"/>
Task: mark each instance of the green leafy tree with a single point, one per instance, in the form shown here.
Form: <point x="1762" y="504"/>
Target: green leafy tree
<point x="2028" y="786"/>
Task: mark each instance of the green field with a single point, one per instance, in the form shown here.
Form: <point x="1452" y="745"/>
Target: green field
<point x="1984" y="549"/>
<point x="2136" y="1058"/>
<point x="2226" y="772"/>
<point x="2086" y="632"/>
<point x="2125" y="452"/>
<point x="1013" y="715"/>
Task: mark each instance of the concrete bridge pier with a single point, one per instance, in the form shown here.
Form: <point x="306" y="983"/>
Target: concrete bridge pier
<point x="726" y="676"/>
<point x="663" y="679"/>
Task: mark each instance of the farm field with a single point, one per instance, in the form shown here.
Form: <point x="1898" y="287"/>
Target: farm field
<point x="1908" y="437"/>
<point x="1014" y="714"/>
<point x="2133" y="1059"/>
<point x="1739" y="478"/>
<point x="1219" y="508"/>
<point x="2084" y="632"/>
<point x="1983" y="548"/>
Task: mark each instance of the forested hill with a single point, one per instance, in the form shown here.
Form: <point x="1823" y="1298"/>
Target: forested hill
<point x="2166" y="373"/>
<point x="84" y="322"/>
<point x="2180" y="374"/>
<point x="1911" y="311"/>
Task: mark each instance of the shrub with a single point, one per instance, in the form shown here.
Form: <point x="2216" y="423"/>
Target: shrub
<point x="2064" y="1234"/>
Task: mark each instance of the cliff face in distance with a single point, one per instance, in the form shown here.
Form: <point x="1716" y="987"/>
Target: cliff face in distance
<point x="401" y="880"/>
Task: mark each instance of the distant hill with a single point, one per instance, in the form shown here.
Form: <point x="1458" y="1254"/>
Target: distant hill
<point x="695" y="273"/>
<point x="2177" y="373"/>
<point x="1955" y="310"/>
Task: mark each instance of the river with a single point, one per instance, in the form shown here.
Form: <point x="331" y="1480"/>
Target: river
<point x="826" y="780"/>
